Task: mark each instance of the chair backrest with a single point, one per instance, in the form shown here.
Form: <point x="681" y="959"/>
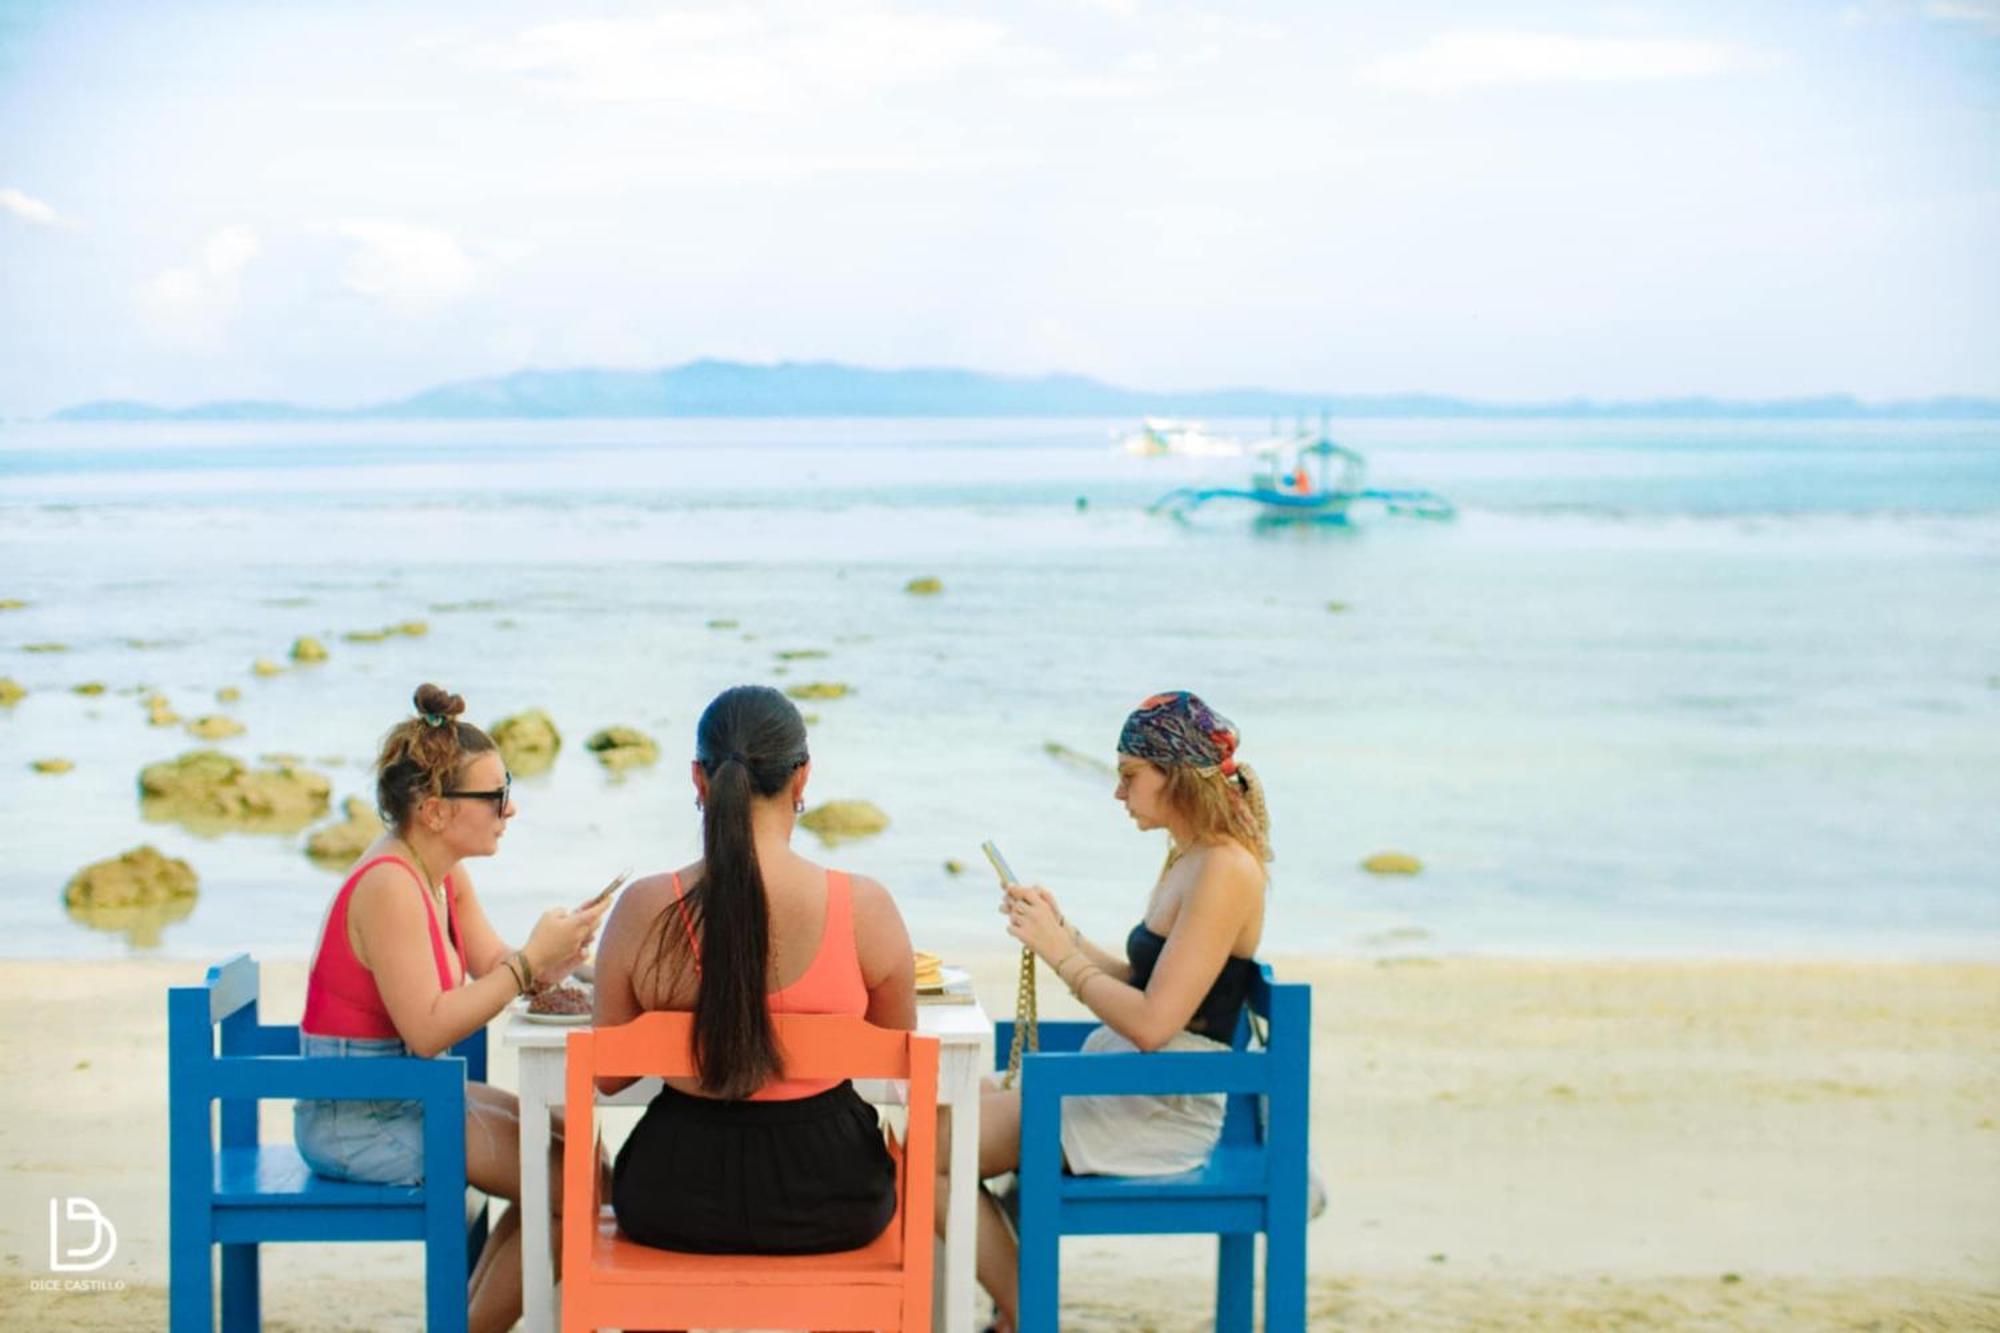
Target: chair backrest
<point x="814" y="1046"/>
<point x="224" y="1005"/>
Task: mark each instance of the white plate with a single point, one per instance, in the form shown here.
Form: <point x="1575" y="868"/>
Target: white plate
<point x="948" y="977"/>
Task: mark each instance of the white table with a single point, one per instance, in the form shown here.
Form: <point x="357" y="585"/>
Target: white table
<point x="965" y="1054"/>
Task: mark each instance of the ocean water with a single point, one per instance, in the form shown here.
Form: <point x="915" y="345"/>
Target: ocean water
<point x="1662" y="688"/>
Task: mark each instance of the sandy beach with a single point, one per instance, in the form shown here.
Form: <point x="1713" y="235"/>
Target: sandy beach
<point x="1508" y="1145"/>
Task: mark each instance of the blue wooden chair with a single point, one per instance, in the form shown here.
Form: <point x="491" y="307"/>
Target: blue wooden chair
<point x="248" y="1192"/>
<point x="1255" y="1181"/>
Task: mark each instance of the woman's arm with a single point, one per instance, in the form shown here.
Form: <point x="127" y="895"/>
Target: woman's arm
<point x="393" y="923"/>
<point x="888" y="968"/>
<point x="618" y="961"/>
<point x="1211" y="919"/>
<point x="1114" y="965"/>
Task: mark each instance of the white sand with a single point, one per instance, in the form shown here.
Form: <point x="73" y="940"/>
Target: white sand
<point x="1509" y="1145"/>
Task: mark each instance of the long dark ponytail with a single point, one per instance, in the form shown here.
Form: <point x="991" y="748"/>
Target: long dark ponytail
<point x="749" y="742"/>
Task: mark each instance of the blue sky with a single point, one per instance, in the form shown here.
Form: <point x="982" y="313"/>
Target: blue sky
<point x="337" y="203"/>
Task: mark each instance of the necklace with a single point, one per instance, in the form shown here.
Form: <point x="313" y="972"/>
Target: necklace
<point x="436" y="891"/>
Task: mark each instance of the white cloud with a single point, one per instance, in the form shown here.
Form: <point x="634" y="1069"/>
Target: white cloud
<point x="193" y="303"/>
<point x="411" y="269"/>
<point x="743" y="60"/>
<point x="28" y="208"/>
<point x="1482" y="59"/>
<point x="1983" y="16"/>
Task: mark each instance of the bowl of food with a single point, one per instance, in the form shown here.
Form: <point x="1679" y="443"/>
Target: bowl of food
<point x="559" y="1004"/>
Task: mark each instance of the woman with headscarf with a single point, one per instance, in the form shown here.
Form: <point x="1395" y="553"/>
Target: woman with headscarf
<point x="1183" y="978"/>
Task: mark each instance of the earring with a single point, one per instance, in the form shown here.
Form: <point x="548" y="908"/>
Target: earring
<point x="698" y="805"/>
<point x="798" y="807"/>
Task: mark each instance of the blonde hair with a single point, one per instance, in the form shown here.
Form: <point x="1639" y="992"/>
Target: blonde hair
<point x="1216" y="805"/>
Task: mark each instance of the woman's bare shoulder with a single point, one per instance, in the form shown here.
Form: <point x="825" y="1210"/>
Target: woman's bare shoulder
<point x="872" y="897"/>
<point x="1231" y="859"/>
<point x="387" y="881"/>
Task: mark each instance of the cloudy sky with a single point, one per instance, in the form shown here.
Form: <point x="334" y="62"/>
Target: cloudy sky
<point x="342" y="202"/>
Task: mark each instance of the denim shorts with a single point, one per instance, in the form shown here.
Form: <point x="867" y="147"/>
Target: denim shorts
<point x="375" y="1142"/>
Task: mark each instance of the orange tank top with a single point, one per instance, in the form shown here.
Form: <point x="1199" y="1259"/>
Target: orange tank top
<point x="831" y="983"/>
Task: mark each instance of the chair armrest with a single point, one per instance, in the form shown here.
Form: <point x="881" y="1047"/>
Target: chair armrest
<point x="1065" y="1035"/>
<point x="436" y="1082"/>
<point x="1150" y="1073"/>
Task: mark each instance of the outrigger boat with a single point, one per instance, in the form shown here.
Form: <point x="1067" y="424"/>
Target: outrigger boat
<point x="1308" y="479"/>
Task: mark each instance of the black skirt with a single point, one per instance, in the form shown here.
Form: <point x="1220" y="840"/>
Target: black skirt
<point x="808" y="1176"/>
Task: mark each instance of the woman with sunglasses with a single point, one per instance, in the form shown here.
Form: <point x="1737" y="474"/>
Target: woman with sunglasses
<point x="408" y="964"/>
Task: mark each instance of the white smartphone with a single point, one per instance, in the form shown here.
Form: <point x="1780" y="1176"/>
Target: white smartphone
<point x="1000" y="866"/>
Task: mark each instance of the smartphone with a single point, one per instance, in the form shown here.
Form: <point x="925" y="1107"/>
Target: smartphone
<point x="617" y="883"/>
<point x="1000" y="866"/>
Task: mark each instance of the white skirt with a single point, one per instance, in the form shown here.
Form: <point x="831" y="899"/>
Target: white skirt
<point x="1142" y="1135"/>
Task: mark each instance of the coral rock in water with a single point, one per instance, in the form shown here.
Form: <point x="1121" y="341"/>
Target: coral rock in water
<point x="11" y="692"/>
<point x="1392" y="863"/>
<point x="138" y="878"/>
<point x="211" y="792"/>
<point x="138" y="894"/>
<point x="818" y="689"/>
<point x="528" y="741"/>
<point x="339" y="843"/>
<point x="622" y="747"/>
<point x="842" y="821"/>
<point x="52" y="765"/>
<point x="264" y="666"/>
<point x="924" y="587"/>
<point x="308" y="649"/>
<point x="214" y="727"/>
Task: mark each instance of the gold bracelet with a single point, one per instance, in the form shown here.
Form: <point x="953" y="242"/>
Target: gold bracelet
<point x="521" y="987"/>
<point x="527" y="970"/>
<point x="1064" y="962"/>
<point x="1082" y="978"/>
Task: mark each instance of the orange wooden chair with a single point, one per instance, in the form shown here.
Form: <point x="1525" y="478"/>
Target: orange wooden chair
<point x="609" y="1281"/>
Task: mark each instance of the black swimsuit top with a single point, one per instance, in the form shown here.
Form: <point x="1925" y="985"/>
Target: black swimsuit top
<point x="1216" y="1016"/>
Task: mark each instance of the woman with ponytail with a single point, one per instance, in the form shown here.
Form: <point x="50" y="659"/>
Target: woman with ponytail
<point x="1182" y="980"/>
<point x="408" y="964"/>
<point x="742" y="1159"/>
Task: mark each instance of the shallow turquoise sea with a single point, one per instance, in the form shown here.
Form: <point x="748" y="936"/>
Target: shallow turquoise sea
<point x="1663" y="688"/>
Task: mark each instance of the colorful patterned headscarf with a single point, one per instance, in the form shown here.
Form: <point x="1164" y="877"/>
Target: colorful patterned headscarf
<point x="1178" y="728"/>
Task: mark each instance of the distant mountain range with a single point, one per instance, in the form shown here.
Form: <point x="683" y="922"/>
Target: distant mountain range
<point x="828" y="389"/>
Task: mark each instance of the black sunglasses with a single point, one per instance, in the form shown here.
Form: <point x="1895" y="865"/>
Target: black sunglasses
<point x="499" y="795"/>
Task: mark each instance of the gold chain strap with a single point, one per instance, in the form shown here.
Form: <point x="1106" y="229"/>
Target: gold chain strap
<point x="1027" y="1029"/>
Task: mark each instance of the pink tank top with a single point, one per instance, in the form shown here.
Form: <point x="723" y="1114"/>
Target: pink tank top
<point x="831" y="984"/>
<point x="341" y="997"/>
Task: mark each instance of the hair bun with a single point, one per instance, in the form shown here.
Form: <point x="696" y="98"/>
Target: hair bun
<point x="438" y="701"/>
